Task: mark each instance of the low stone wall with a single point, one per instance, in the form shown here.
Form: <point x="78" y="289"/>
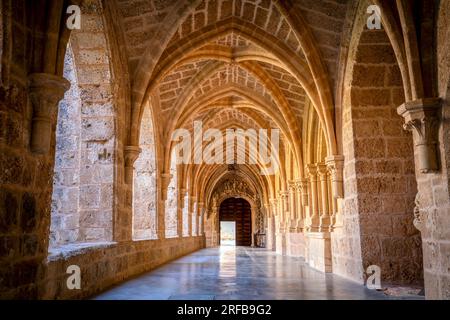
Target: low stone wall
<point x="296" y="244"/>
<point x="107" y="264"/>
<point x="318" y="247"/>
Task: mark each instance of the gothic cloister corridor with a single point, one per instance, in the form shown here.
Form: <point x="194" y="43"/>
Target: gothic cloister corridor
<point x="131" y="130"/>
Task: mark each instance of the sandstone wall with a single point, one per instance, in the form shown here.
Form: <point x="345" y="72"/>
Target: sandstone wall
<point x="109" y="264"/>
<point x="380" y="185"/>
<point x="434" y="200"/>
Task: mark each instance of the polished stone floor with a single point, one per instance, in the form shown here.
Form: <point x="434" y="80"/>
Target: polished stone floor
<point x="238" y="273"/>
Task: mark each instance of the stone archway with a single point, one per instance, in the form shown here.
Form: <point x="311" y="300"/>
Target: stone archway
<point x="228" y="189"/>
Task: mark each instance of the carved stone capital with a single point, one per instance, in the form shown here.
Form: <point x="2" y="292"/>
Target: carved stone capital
<point x="182" y="197"/>
<point x="273" y="202"/>
<point x="311" y="171"/>
<point x="46" y="90"/>
<point x="191" y="203"/>
<point x="322" y="171"/>
<point x="130" y="154"/>
<point x="292" y="186"/>
<point x="165" y="181"/>
<point x="335" y="166"/>
<point x="283" y="194"/>
<point x="422" y="119"/>
<point x="302" y="187"/>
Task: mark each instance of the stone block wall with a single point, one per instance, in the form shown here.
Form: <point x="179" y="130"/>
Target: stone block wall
<point x="65" y="219"/>
<point x="434" y="189"/>
<point x="380" y="186"/>
<point x="296" y="245"/>
<point x="109" y="264"/>
<point x="25" y="195"/>
<point x="318" y="251"/>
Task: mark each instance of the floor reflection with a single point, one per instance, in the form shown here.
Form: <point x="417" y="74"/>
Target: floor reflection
<point x="238" y="273"/>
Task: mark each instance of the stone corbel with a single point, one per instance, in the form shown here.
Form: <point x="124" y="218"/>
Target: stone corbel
<point x="46" y="90"/>
<point x="335" y="166"/>
<point x="130" y="155"/>
<point x="422" y="118"/>
<point x="165" y="181"/>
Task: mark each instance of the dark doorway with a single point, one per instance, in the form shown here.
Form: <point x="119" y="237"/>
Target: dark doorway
<point x="239" y="211"/>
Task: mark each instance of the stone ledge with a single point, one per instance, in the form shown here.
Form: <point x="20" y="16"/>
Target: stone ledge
<point x="70" y="250"/>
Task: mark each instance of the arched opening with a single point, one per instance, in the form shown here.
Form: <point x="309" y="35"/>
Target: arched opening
<point x="86" y="142"/>
<point x="237" y="210"/>
<point x="144" y="190"/>
<point x="65" y="217"/>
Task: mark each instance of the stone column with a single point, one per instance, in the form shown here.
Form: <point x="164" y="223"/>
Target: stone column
<point x="46" y="90"/>
<point x="271" y="225"/>
<point x="332" y="203"/>
<point x="292" y="206"/>
<point x="335" y="166"/>
<point x="215" y="236"/>
<point x="165" y="181"/>
<point x="421" y="117"/>
<point x="302" y="201"/>
<point x="324" y="224"/>
<point x="125" y="223"/>
<point x="284" y="206"/>
<point x="180" y="209"/>
<point x="191" y="215"/>
<point x="253" y="217"/>
<point x="201" y="218"/>
<point x="313" y="222"/>
<point x="268" y="216"/>
<point x="281" y="238"/>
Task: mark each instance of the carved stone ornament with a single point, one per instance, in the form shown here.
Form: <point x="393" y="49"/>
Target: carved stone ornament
<point x="422" y="119"/>
<point x="46" y="90"/>
<point x="335" y="166"/>
<point x="231" y="188"/>
<point x="165" y="181"/>
<point x="130" y="154"/>
<point x="418" y="214"/>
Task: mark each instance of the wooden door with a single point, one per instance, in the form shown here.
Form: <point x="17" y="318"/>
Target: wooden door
<point x="238" y="210"/>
